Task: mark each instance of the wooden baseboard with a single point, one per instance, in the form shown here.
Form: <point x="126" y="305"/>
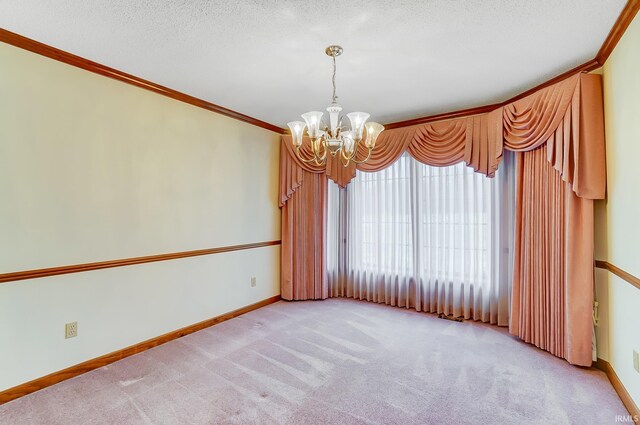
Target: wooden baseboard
<point x="628" y="402"/>
<point x="89" y="365"/>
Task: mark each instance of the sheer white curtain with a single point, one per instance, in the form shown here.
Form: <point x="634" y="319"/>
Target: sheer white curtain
<point x="436" y="239"/>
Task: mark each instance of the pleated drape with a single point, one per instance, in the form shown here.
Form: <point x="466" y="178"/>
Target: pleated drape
<point x="303" y="271"/>
<point x="553" y="269"/>
<point x="302" y="199"/>
<point x="559" y="133"/>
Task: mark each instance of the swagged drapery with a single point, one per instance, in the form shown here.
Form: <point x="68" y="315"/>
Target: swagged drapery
<point x="553" y="276"/>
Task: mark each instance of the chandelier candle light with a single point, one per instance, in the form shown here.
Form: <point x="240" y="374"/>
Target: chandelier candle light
<point x="334" y="138"/>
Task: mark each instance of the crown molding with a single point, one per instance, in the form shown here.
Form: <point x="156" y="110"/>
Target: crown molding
<point x="443" y="116"/>
<point x="622" y="23"/>
<point x="585" y="67"/>
<point x="33" y="46"/>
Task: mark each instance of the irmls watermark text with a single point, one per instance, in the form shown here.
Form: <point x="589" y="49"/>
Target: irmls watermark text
<point x="627" y="419"/>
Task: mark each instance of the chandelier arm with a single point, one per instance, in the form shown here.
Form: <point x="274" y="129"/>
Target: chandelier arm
<point x="346" y="159"/>
<point x="345" y="156"/>
<point x="364" y="160"/>
<point x="323" y="157"/>
<point x="321" y="160"/>
<point x="318" y="159"/>
<point x="305" y="161"/>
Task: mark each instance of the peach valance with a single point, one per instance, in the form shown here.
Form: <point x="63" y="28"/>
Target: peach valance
<point x="567" y="116"/>
<point x="292" y="169"/>
<point x="474" y="140"/>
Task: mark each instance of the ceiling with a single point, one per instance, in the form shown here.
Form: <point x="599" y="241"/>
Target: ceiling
<point x="402" y="59"/>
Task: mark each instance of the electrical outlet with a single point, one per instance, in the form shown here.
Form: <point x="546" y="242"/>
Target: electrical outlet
<point x="71" y="330"/>
<point x="253" y="282"/>
<point x="636" y="361"/>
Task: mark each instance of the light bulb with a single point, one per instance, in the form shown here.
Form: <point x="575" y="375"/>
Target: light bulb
<point x="373" y="131"/>
<point x="313" y="123"/>
<point x="358" y="119"/>
<point x="297" y="130"/>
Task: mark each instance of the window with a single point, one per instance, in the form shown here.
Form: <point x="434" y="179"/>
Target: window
<point x="436" y="239"/>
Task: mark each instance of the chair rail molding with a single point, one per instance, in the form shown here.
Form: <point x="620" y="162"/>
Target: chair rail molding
<point x="628" y="277"/>
<point x="85" y="267"/>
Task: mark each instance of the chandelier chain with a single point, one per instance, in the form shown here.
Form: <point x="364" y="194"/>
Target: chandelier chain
<point x="333" y="79"/>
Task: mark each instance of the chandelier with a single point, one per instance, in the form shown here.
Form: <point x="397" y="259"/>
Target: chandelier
<point x="334" y="138"/>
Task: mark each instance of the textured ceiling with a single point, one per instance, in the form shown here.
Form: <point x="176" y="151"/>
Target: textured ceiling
<point x="402" y="59"/>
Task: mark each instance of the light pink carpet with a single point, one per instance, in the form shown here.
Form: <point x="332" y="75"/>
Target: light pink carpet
<point x="331" y="362"/>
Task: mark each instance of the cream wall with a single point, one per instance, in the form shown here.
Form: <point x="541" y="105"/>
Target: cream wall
<point x="93" y="169"/>
<point x="617" y="229"/>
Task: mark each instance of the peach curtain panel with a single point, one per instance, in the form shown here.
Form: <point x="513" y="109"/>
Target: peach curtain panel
<point x="552" y="290"/>
<point x="562" y="124"/>
<point x="302" y="199"/>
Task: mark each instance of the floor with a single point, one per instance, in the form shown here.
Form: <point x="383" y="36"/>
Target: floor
<point x="336" y="361"/>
